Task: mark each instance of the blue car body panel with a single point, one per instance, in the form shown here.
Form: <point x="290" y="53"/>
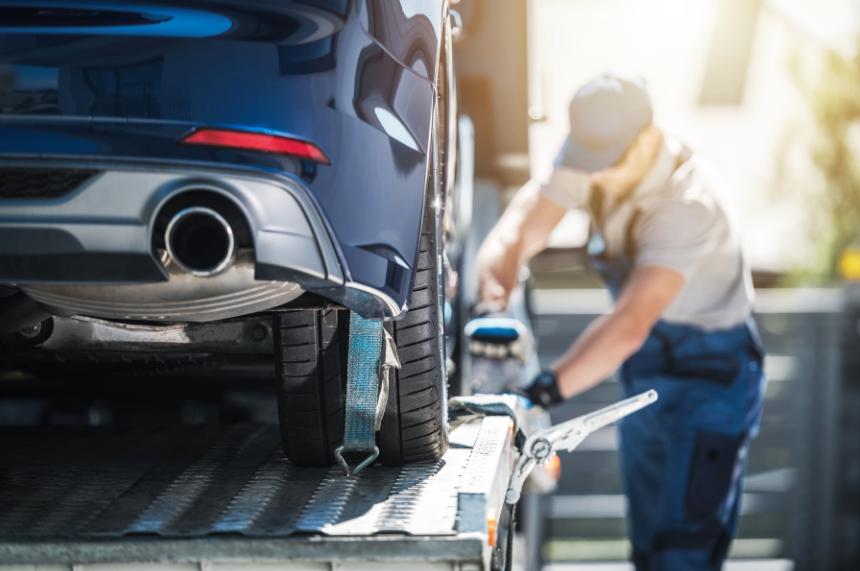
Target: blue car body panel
<point x="122" y="82"/>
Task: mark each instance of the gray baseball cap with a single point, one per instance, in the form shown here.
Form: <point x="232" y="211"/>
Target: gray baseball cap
<point x="606" y="114"/>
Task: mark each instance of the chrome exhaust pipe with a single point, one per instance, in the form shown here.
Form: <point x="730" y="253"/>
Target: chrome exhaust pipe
<point x="200" y="241"/>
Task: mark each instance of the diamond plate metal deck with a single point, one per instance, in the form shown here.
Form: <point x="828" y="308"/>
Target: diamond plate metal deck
<point x="77" y="495"/>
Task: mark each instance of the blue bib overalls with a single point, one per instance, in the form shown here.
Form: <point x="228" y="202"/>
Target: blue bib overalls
<point x="683" y="458"/>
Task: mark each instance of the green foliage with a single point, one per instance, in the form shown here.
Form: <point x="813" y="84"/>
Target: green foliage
<point x="834" y="99"/>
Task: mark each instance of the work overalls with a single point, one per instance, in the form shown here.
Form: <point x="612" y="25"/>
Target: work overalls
<point x="683" y="458"/>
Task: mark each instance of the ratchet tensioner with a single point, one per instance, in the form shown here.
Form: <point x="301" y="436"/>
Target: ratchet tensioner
<point x="540" y="446"/>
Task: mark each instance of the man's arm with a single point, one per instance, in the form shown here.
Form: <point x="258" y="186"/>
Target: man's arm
<point x="611" y="339"/>
<point x="520" y="233"/>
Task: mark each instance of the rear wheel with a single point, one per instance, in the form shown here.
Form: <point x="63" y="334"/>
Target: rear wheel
<point x="311" y="351"/>
<point x="310" y="359"/>
<point x="414" y="428"/>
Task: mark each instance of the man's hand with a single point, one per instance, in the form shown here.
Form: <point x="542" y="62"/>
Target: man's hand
<point x="520" y="233"/>
<point x="497" y="275"/>
<point x="611" y="339"/>
<point x="543" y="390"/>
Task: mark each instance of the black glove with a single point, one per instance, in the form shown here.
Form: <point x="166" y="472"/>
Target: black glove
<point x="543" y="390"/>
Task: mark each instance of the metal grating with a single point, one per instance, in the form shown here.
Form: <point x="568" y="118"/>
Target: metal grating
<point x="72" y="484"/>
<point x="40" y="183"/>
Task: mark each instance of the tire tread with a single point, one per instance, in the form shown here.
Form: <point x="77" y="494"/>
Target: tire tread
<point x="310" y="367"/>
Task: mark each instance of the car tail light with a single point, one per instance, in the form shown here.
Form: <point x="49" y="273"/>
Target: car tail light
<point x="257" y="142"/>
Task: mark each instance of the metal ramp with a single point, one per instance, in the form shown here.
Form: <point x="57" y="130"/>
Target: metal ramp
<point x="204" y="494"/>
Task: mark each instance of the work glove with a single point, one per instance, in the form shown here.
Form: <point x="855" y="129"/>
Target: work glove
<point x="543" y="389"/>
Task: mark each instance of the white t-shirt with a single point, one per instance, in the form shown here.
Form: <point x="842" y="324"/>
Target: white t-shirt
<point x="681" y="224"/>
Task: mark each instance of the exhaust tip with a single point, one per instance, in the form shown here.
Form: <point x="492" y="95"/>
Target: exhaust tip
<point x="200" y="241"/>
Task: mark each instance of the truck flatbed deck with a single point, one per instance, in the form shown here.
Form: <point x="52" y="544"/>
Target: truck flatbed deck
<point x="219" y="497"/>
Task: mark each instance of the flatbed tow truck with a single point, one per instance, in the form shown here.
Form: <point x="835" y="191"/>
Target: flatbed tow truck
<point x="224" y="497"/>
<point x="184" y="497"/>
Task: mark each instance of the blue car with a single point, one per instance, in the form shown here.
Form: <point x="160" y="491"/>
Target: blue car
<point x="188" y="184"/>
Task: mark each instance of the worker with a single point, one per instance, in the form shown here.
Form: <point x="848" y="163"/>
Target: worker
<point x="680" y="323"/>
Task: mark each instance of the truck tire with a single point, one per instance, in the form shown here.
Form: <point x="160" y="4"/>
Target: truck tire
<point x="311" y="349"/>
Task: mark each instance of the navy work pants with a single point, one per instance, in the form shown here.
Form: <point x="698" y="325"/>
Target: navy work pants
<point x="683" y="458"/>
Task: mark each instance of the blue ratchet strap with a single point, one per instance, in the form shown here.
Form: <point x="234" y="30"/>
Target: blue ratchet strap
<point x="372" y="354"/>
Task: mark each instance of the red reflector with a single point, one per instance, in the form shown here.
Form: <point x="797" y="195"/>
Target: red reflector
<point x="257" y="142"/>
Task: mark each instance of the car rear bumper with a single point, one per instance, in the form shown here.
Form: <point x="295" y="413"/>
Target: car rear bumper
<point x="99" y="231"/>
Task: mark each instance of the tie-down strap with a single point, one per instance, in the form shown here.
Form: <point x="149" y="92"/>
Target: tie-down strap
<point x="372" y="355"/>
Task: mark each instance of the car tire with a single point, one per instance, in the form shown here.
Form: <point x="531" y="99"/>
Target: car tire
<point x="311" y="349"/>
<point x="414" y="428"/>
<point x="310" y="359"/>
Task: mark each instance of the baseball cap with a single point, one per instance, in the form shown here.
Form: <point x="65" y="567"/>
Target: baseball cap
<point x="606" y="114"/>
